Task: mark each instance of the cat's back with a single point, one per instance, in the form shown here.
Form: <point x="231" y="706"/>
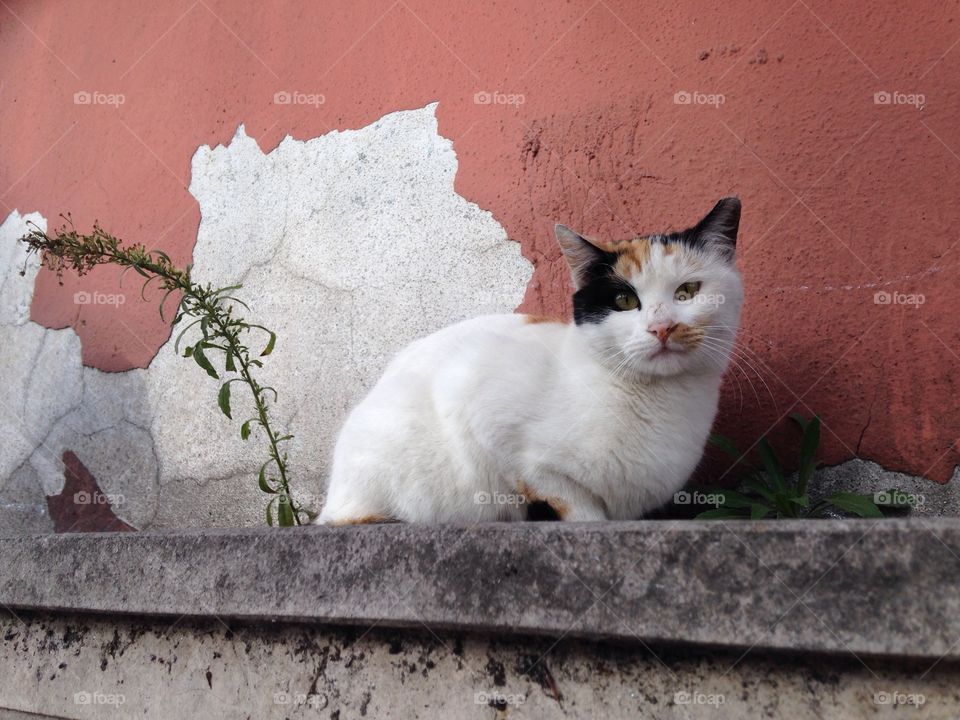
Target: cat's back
<point x="485" y="343"/>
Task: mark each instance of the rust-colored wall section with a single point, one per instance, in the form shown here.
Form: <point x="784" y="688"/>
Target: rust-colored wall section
<point x="567" y="112"/>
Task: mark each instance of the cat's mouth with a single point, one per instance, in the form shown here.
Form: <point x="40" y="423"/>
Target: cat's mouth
<point x="664" y="351"/>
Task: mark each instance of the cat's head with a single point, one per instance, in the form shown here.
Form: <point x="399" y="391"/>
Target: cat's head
<point x="661" y="304"/>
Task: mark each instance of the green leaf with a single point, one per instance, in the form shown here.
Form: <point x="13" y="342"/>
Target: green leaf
<point x="189" y="351"/>
<point x="223" y="399"/>
<point x="772" y="465"/>
<point x="171" y="290"/>
<point x="262" y="479"/>
<point x="756" y="483"/>
<point x="799" y="420"/>
<point x="162" y="254"/>
<point x="285" y="512"/>
<point x="176" y="343"/>
<point x="861" y="505"/>
<point x="236" y="300"/>
<point x="808" y="451"/>
<point x="203" y="362"/>
<point x="270" y="511"/>
<point x="726" y="444"/>
<point x="758" y="511"/>
<point x="245" y="430"/>
<point x="273" y="341"/>
<point x="732" y="499"/>
<point x="231" y="367"/>
<point x="801" y="500"/>
<point x="722" y="513"/>
<point x="143" y="288"/>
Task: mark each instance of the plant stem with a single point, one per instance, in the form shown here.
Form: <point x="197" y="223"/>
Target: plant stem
<point x="67" y="248"/>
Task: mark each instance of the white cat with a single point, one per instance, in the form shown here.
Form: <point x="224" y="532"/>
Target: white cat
<point x="603" y="418"/>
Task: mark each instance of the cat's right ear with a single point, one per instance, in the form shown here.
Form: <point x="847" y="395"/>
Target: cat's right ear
<point x="581" y="254"/>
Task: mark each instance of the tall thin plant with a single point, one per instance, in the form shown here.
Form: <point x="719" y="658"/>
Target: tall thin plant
<point x="221" y="331"/>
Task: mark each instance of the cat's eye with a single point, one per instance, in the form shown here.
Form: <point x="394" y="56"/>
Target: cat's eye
<point x="686" y="291"/>
<point x="626" y="301"/>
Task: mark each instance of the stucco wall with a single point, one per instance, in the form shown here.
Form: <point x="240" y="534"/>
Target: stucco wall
<point x="834" y="123"/>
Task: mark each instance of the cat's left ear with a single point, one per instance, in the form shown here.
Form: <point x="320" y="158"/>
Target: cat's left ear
<point x="581" y="254"/>
<point x="718" y="230"/>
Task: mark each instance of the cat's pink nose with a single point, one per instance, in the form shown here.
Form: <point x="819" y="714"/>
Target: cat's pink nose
<point x="662" y="331"/>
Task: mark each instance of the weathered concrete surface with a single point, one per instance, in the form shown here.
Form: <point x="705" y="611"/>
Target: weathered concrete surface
<point x="94" y="667"/>
<point x="334" y="242"/>
<point x="863" y="476"/>
<point x="870" y="587"/>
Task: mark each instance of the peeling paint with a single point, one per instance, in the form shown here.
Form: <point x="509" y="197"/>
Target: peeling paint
<point x="349" y="246"/>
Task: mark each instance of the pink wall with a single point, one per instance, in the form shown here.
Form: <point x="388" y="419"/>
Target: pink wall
<point x="843" y="197"/>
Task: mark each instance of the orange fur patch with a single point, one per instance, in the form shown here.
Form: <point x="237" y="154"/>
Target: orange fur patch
<point x="559" y="506"/>
<point x="631" y="257"/>
<point x="537" y="319"/>
<point x="688" y="336"/>
<point x="365" y="520"/>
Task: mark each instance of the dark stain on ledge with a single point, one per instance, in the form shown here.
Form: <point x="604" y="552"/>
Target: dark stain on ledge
<point x="82" y="506"/>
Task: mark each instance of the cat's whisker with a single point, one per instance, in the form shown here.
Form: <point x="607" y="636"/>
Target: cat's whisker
<point x="722" y="360"/>
<point x="740" y="353"/>
<point x="738" y="332"/>
<point x="734" y="362"/>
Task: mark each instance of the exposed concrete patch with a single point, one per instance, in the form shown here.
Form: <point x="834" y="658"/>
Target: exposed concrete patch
<point x="95" y="667"/>
<point x="349" y="246"/>
<point x="863" y="476"/>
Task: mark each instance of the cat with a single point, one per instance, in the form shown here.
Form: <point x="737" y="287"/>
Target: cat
<point x="604" y="418"/>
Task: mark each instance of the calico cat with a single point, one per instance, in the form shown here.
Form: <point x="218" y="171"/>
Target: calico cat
<point x="603" y="418"/>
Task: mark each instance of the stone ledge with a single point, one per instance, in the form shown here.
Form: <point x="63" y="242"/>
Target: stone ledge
<point x="889" y="587"/>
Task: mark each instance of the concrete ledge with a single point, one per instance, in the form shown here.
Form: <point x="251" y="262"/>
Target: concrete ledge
<point x="889" y="587"/>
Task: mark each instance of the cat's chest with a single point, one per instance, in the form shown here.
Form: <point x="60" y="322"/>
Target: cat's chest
<point x="659" y="433"/>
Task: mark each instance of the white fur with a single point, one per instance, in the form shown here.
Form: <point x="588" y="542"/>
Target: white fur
<point x="465" y="420"/>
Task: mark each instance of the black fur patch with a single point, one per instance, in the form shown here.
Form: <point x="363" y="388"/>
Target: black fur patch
<point x="595" y="300"/>
<point x="540" y="510"/>
<point x="718" y="229"/>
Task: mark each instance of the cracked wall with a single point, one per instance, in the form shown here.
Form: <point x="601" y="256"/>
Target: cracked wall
<point x="577" y="116"/>
<point x="349" y="246"/>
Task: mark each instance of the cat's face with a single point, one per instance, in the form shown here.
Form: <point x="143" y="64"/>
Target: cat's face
<point x="661" y="304"/>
